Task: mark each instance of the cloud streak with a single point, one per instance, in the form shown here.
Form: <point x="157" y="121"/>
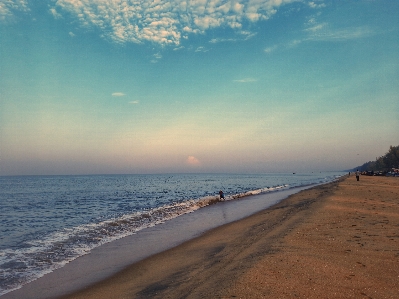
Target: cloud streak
<point x="246" y="80"/>
<point x="118" y="94"/>
<point x="340" y="34"/>
<point x="271" y="49"/>
<point x="324" y="32"/>
<point x="328" y="32"/>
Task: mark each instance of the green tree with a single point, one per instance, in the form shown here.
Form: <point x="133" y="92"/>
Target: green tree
<point x="391" y="159"/>
<point x="384" y="163"/>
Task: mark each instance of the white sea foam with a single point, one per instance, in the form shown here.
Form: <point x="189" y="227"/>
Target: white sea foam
<point x="59" y="248"/>
<point x="51" y="251"/>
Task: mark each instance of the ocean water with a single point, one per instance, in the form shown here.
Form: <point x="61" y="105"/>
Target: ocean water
<point x="48" y="221"/>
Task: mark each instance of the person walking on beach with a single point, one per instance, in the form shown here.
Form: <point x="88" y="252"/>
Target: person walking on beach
<point x="357" y="174"/>
<point x="221" y="194"/>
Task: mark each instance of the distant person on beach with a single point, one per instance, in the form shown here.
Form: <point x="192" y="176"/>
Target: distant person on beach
<point x="221" y="194"/>
<point x="357" y="174"/>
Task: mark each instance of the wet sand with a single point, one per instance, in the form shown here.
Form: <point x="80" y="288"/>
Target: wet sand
<point x="339" y="240"/>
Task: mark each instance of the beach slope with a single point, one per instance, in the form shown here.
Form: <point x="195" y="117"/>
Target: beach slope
<point x="338" y="240"/>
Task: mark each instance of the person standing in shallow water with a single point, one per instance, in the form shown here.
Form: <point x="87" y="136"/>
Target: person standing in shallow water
<point x="221" y="194"/>
<point x="357" y="174"/>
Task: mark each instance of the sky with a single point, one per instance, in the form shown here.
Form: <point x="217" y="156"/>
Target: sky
<point x="186" y="86"/>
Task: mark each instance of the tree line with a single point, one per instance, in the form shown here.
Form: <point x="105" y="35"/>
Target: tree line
<point x="384" y="163"/>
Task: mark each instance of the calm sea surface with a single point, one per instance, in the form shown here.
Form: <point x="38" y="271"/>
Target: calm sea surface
<point x="47" y="221"/>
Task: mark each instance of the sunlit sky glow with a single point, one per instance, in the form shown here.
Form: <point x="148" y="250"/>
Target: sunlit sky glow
<point x="123" y="86"/>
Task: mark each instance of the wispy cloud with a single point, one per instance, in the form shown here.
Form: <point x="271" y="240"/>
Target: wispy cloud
<point x="271" y="49"/>
<point x="323" y="31"/>
<point x="201" y="49"/>
<point x="118" y="94"/>
<point x="178" y="48"/>
<point x="134" y="102"/>
<point x="316" y="27"/>
<point x="221" y="40"/>
<point x="156" y="57"/>
<point x="342" y="34"/>
<point x="316" y="4"/>
<point x="296" y="42"/>
<point x="246" y="80"/>
<point x="247" y="34"/>
<point x="241" y="36"/>
<point x="322" y="34"/>
<point x="166" y="21"/>
<point x="55" y="14"/>
<point x="193" y="161"/>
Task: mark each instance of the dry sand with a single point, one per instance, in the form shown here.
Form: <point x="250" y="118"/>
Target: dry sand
<point x="339" y="240"/>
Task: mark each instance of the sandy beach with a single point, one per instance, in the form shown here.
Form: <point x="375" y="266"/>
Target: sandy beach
<point x="339" y="240"/>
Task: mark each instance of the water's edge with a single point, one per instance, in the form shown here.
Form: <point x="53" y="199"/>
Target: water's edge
<point x="110" y="258"/>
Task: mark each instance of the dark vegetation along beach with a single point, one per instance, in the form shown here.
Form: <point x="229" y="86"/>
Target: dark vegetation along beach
<point x="186" y="149"/>
<point x="386" y="165"/>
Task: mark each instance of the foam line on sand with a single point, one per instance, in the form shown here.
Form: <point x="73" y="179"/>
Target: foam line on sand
<point x="338" y="240"/>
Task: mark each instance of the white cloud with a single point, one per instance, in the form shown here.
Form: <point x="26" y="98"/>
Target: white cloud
<point x="201" y="49"/>
<point x="178" y="48"/>
<point x="246" y="80"/>
<point x="313" y="4"/>
<point x="222" y="40"/>
<point x="296" y="42"/>
<point x="316" y="27"/>
<point x="193" y="161"/>
<point x="271" y="49"/>
<point x="55" y="14"/>
<point x="8" y="8"/>
<point x="341" y="34"/>
<point x="118" y="94"/>
<point x="134" y="102"/>
<point x="328" y="32"/>
<point x="248" y="34"/>
<point x="242" y="35"/>
<point x="324" y="33"/>
<point x="165" y="21"/>
<point x="156" y="57"/>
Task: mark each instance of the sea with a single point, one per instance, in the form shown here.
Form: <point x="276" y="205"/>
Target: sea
<point x="48" y="221"/>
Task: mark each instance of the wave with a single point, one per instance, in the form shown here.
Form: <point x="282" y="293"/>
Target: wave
<point x="39" y="257"/>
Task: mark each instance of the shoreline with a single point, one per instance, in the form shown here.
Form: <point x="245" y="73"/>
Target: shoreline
<point x="336" y="240"/>
<point x="110" y="258"/>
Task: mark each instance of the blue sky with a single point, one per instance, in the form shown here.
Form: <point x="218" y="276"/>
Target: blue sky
<point x="124" y="86"/>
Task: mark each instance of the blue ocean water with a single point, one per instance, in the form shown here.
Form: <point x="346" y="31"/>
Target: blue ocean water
<point x="48" y="221"/>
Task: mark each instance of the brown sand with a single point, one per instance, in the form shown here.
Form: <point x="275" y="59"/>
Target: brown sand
<point x="339" y="240"/>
